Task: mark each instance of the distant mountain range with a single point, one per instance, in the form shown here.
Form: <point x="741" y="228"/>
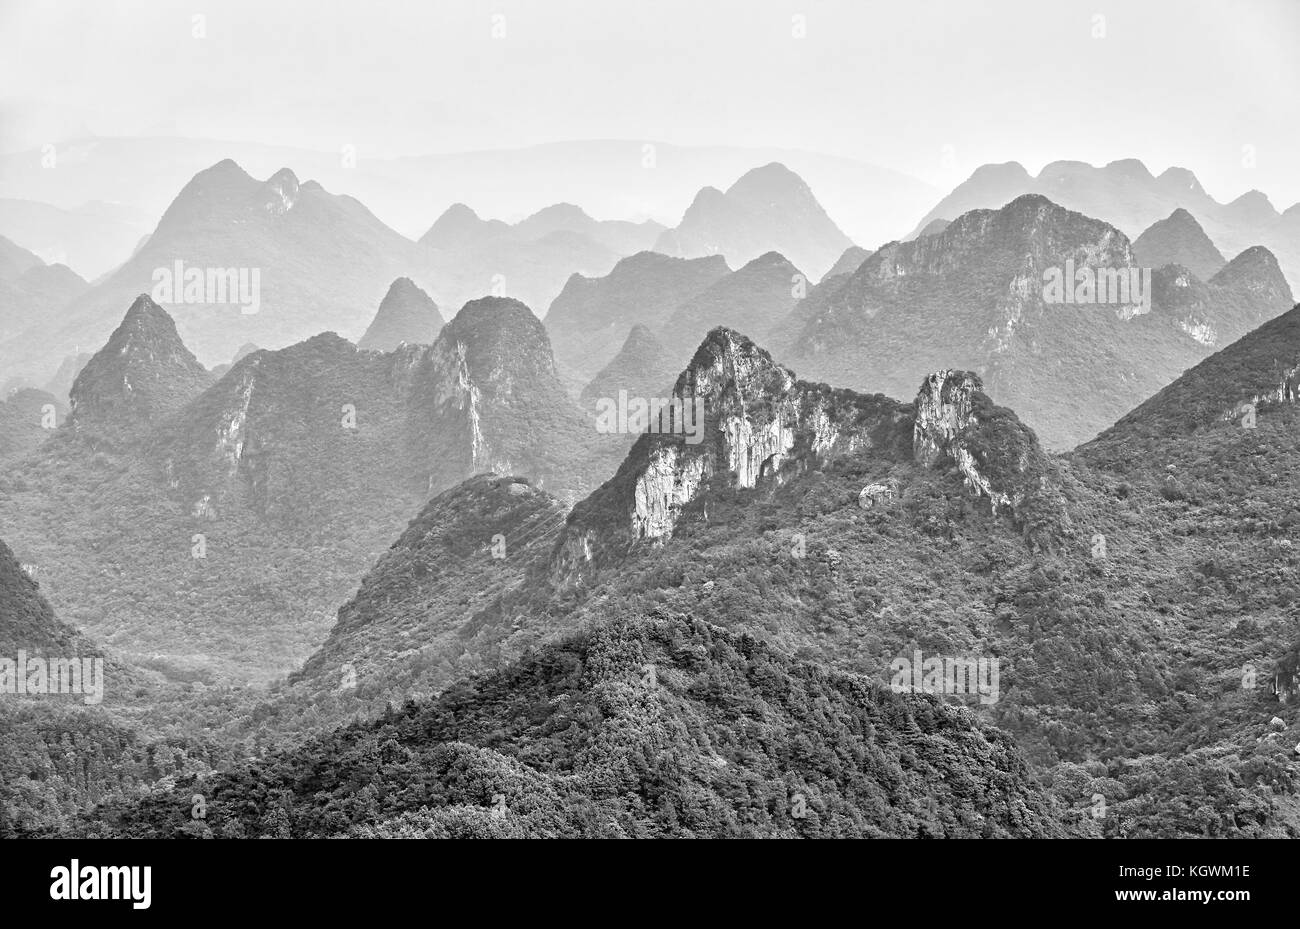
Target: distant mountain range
<point x="91" y="238"/>
<point x="635" y="179"/>
<point x="31" y="290"/>
<point x="768" y="209"/>
<point x="238" y="260"/>
<point x="1128" y="196"/>
<point x="531" y="260"/>
<point x="975" y="295"/>
<point x="591" y="318"/>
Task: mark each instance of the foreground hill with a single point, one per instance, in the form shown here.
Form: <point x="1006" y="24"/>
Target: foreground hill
<point x="654" y="727"/>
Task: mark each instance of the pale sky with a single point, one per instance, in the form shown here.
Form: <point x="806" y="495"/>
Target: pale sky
<point x="929" y="88"/>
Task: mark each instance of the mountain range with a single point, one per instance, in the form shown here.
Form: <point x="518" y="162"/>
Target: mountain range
<point x="1126" y="194"/>
<point x="976" y="295"/>
<point x="319" y="448"/>
<point x="767" y="209"/>
<point x="422" y="586"/>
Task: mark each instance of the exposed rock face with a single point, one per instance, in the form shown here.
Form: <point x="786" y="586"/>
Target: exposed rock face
<point x="997" y="455"/>
<point x="406" y="314"/>
<point x="943" y="410"/>
<point x="760" y="425"/>
<point x="486" y="396"/>
<point x="144" y="372"/>
<point x="880" y="493"/>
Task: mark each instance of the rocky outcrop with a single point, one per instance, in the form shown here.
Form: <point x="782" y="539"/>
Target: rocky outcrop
<point x="761" y="427"/>
<point x="757" y="426"/>
<point x="879" y="494"/>
<point x="999" y="458"/>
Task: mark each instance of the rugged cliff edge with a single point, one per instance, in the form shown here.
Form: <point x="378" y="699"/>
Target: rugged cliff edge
<point x="740" y="419"/>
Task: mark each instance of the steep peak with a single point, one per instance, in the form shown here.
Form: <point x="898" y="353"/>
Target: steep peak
<point x="145" y="323"/>
<point x="458" y="213"/>
<point x="215" y="193"/>
<point x="1253" y="205"/>
<point x="943" y="409"/>
<point x="640" y="339"/>
<point x="1178" y="239"/>
<point x="142" y="372"/>
<point x="458" y="225"/>
<point x="998" y="455"/>
<point x="767" y="263"/>
<point x="736" y="416"/>
<point x="729" y="362"/>
<point x="498" y="336"/>
<point x="406" y="314"/>
<point x="849" y="261"/>
<point x="1257" y="269"/>
<point x="707" y="197"/>
<point x="771" y="177"/>
<point x="226" y="168"/>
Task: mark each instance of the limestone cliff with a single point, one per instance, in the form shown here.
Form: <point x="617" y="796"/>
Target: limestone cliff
<point x="761" y="427"/>
<point x="998" y="456"/>
<point x="757" y="425"/>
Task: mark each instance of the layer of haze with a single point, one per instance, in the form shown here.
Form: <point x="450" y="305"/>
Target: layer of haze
<point x="929" y="88"/>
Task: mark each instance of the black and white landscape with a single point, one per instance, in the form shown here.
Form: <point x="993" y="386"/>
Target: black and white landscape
<point x="525" y="420"/>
